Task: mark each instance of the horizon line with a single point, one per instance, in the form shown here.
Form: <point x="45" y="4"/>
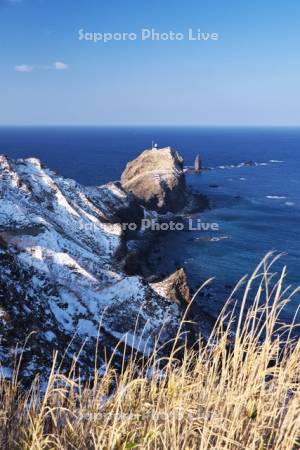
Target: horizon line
<point x="147" y="126"/>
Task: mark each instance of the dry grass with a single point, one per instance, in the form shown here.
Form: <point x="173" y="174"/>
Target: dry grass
<point x="238" y="391"/>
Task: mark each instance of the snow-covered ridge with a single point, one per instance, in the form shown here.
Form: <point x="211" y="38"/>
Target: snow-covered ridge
<point x="58" y="277"/>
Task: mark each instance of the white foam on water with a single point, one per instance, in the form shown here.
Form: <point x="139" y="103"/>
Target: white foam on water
<point x="276" y="197"/>
<point x="217" y="239"/>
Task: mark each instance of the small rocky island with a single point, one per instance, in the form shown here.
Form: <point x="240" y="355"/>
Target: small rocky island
<point x="63" y="252"/>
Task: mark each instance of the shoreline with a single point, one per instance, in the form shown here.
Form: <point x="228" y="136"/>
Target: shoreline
<point x="142" y="260"/>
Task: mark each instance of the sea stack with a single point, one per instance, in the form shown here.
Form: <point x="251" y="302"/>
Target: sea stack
<point x="198" y="164"/>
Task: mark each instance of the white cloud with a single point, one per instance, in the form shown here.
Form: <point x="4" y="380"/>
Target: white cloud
<point x="60" y="66"/>
<point x="24" y="68"/>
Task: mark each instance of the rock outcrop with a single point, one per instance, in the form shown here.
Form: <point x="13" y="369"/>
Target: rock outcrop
<point x="156" y="178"/>
<point x="175" y="287"/>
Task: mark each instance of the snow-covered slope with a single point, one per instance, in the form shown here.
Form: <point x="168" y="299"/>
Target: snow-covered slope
<point x="58" y="274"/>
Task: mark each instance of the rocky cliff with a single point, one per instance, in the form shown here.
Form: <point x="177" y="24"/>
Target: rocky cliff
<point x="157" y="180"/>
<point x="60" y="285"/>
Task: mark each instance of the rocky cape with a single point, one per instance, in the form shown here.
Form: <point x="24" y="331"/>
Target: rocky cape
<point x="64" y="283"/>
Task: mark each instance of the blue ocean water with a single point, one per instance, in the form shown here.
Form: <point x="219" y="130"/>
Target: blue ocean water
<point x="257" y="208"/>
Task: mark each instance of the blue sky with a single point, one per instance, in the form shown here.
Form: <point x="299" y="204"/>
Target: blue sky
<point x="250" y="76"/>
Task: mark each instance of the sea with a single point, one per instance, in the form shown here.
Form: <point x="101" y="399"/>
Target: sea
<point x="256" y="205"/>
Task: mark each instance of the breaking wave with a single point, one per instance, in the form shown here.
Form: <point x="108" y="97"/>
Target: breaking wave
<point x="276" y="197"/>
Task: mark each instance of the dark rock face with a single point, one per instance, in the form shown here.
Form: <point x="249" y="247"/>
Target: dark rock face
<point x="119" y="205"/>
<point x="157" y="180"/>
